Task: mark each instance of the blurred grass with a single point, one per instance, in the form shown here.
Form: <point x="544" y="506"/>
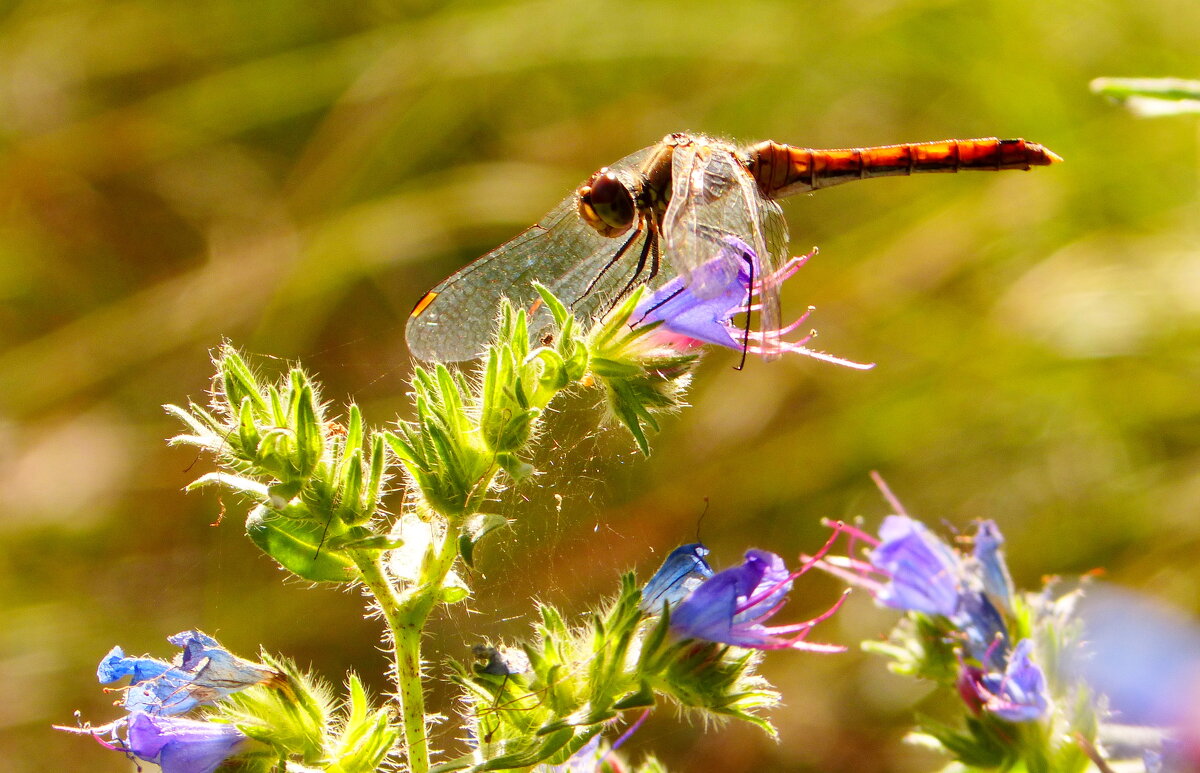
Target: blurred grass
<point x="293" y="175"/>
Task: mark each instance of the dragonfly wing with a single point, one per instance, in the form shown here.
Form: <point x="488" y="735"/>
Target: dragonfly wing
<point x="772" y="245"/>
<point x="455" y="320"/>
<point x="714" y="196"/>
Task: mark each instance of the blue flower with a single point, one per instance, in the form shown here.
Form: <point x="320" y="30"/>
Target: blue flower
<point x="990" y="566"/>
<point x="156" y="687"/>
<point x="689" y="321"/>
<point x="983" y="626"/>
<point x="176" y="745"/>
<point x="732" y="606"/>
<point x="203" y="673"/>
<point x="1017" y="695"/>
<point x="682" y="571"/>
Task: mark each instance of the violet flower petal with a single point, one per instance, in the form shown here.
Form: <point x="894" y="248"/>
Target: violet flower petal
<point x="181" y="745"/>
<point x="923" y="572"/>
<point x="730" y="607"/>
<point x="1020" y="694"/>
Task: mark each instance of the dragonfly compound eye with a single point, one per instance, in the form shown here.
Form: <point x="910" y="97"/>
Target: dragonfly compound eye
<point x="606" y="204"/>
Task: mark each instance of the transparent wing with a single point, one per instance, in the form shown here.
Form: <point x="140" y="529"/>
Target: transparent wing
<point x="561" y="251"/>
<point x="771" y="228"/>
<point x="713" y="195"/>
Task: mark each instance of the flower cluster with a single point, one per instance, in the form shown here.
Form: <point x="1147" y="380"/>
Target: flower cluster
<point x="245" y="716"/>
<point x="202" y="674"/>
<point x="690" y="635"/>
<point x="732" y="606"/>
<point x="966" y="598"/>
<point x="995" y="651"/>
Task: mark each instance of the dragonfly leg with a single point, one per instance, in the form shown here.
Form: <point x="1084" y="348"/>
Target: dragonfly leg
<point x="655" y="253"/>
<point x="611" y="262"/>
<point x="655" y="307"/>
<point x="749" y="298"/>
<point x="651" y="240"/>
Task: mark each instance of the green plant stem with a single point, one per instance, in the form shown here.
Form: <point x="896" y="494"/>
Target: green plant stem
<point x="406" y="614"/>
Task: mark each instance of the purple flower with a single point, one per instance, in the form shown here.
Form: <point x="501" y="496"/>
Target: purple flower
<point x="203" y="673"/>
<point x="911" y="569"/>
<point x="1017" y="695"/>
<point x="923" y="572"/>
<point x="732" y="606"/>
<point x="682" y="571"/>
<point x="689" y="321"/>
<point x="176" y="745"/>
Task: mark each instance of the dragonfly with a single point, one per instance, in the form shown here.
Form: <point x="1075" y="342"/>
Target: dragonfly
<point x="676" y="202"/>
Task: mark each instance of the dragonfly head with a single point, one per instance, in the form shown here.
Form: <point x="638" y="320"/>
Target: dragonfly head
<point x="606" y="203"/>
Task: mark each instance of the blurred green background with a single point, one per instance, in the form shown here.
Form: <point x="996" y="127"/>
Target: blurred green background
<point x="293" y="175"/>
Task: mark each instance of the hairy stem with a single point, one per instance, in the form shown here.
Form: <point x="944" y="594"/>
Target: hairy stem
<point x="406" y="614"/>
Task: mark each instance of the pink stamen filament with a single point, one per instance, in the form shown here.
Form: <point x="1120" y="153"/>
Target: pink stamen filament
<point x="117" y="744"/>
<point x="784" y="272"/>
<point x="996" y="641"/>
<point x="817" y="355"/>
<point x="891" y="499"/>
<point x="854" y="532"/>
<point x="808" y="625"/>
<point x="798" y="643"/>
<point x="800" y="629"/>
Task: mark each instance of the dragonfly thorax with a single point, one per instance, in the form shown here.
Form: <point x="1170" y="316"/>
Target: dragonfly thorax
<point x="606" y="203"/>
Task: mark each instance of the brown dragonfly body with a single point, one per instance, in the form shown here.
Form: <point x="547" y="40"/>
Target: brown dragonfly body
<point x="782" y="170"/>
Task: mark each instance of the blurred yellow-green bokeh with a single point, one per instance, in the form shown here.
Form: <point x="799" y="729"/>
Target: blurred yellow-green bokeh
<point x="293" y="175"/>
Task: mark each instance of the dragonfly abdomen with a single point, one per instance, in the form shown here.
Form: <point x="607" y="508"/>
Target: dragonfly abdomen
<point x="782" y="170"/>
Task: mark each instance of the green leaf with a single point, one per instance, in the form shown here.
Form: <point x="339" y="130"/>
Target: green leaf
<point x="367" y="736"/>
<point x="517" y="469"/>
<point x="238" y="380"/>
<point x="300" y="546"/>
<point x="558" y="310"/>
<point x="354" y="428"/>
<point x="248" y="432"/>
<point x="609" y="368"/>
<point x="198" y="428"/>
<point x="1152" y="97"/>
<point x="476" y="528"/>
<point x="275" y="452"/>
<point x="362" y="538"/>
<point x="293" y="717"/>
<point x="554" y="376"/>
<point x="350" y="487"/>
<point x="1159" y="88"/>
<point x="247" y="486"/>
<point x="643" y="698"/>
<point x="306" y="424"/>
